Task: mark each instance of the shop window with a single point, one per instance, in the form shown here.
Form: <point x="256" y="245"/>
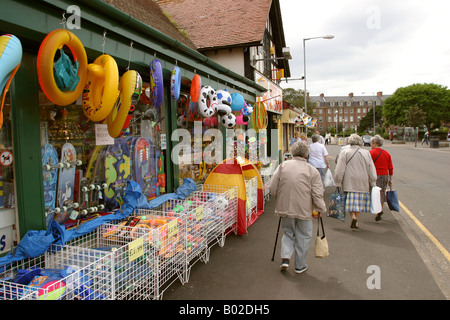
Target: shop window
<point x="97" y="167"/>
<point x="7" y="182"/>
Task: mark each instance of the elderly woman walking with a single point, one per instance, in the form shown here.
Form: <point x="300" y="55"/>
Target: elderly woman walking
<point x="355" y="173"/>
<point x="298" y="189"/>
<point x="383" y="165"/>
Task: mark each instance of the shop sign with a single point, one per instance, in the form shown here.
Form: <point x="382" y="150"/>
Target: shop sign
<point x="273" y="97"/>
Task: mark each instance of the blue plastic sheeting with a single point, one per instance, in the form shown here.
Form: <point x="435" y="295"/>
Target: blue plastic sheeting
<point x="35" y="243"/>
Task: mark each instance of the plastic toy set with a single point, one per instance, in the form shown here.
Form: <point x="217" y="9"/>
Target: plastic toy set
<point x="62" y="273"/>
<point x="147" y="252"/>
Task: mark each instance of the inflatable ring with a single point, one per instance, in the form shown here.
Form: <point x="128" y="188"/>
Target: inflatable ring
<point x="130" y="87"/>
<point x="259" y="118"/>
<point x="156" y="83"/>
<point x="206" y="93"/>
<point x="175" y="83"/>
<point x="53" y="41"/>
<point x="101" y="90"/>
<point x="196" y="85"/>
<point x="10" y="59"/>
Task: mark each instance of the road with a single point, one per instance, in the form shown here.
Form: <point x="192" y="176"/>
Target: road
<point x="408" y="248"/>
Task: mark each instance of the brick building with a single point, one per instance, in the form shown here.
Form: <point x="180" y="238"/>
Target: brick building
<point x="350" y="109"/>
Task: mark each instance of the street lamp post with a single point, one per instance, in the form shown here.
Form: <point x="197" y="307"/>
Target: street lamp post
<point x="328" y="37"/>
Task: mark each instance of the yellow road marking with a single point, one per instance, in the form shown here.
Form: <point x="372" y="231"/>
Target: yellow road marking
<point x="428" y="233"/>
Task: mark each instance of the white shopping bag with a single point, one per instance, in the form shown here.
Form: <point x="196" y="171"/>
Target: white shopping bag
<point x="375" y="205"/>
<point x="328" y="181"/>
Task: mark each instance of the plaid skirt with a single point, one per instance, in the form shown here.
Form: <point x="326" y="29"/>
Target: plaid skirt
<point x="357" y="202"/>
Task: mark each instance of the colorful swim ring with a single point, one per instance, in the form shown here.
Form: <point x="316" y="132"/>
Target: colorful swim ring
<point x="207" y="110"/>
<point x="101" y="90"/>
<point x="196" y="86"/>
<point x="55" y="40"/>
<point x="130" y="87"/>
<point x="259" y="117"/>
<point x="10" y="59"/>
<point x="156" y="83"/>
<point x="175" y="83"/>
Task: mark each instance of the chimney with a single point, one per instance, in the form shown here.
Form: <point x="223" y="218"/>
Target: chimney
<point x="380" y="94"/>
<point x="350" y="94"/>
<point x="322" y="95"/>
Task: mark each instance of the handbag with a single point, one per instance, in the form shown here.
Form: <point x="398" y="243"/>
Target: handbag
<point x="392" y="200"/>
<point x="321" y="248"/>
<point x="336" y="206"/>
<point x="328" y="180"/>
<point x="375" y="200"/>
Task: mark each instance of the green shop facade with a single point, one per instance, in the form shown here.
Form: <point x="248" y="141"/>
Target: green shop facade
<point x="31" y="120"/>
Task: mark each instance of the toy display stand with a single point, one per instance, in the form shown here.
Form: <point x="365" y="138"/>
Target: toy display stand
<point x="61" y="273"/>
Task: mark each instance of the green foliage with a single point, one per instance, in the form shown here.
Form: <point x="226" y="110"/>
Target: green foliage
<point x="294" y="97"/>
<point x="432" y="99"/>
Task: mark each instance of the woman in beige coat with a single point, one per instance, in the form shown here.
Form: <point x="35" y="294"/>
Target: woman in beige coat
<point x="298" y="189"/>
<point x="355" y="173"/>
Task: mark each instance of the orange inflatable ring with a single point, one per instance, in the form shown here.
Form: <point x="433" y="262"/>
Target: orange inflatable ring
<point x="101" y="90"/>
<point x="130" y="87"/>
<point x="55" y="40"/>
<point x="196" y="86"/>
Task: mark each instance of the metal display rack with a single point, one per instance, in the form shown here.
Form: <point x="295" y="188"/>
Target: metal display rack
<point x="146" y="255"/>
<point x="61" y="273"/>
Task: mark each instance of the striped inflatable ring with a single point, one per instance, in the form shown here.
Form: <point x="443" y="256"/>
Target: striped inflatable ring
<point x="130" y="87"/>
<point x="156" y="83"/>
<point x="175" y="83"/>
<point x="101" y="90"/>
<point x="55" y="40"/>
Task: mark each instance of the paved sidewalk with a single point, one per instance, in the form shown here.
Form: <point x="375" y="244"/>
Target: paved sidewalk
<point x="243" y="270"/>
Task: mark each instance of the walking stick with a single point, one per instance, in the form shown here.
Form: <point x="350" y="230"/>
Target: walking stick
<point x="276" y="239"/>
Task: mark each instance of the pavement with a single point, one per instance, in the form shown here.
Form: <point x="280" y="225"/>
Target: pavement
<point x="378" y="261"/>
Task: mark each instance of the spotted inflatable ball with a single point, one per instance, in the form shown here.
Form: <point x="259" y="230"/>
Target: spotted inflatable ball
<point x="221" y="203"/>
<point x="228" y="121"/>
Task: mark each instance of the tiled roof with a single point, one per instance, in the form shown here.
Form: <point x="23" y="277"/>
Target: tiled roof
<point x="220" y="23"/>
<point x="148" y="12"/>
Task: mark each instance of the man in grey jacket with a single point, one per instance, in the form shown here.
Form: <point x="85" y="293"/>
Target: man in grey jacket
<point x="298" y="189"/>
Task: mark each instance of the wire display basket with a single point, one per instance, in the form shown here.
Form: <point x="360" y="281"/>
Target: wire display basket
<point x="224" y="200"/>
<point x="146" y="254"/>
<point x="61" y="273"/>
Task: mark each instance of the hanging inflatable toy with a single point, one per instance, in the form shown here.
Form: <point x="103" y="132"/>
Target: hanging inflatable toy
<point x="101" y="89"/>
<point x="63" y="81"/>
<point x="130" y="87"/>
<point x="175" y="83"/>
<point x="259" y="117"/>
<point x="207" y="109"/>
<point x="196" y="86"/>
<point x="224" y="100"/>
<point x="244" y="117"/>
<point x="156" y="83"/>
<point x="238" y="101"/>
<point x="145" y="95"/>
<point x="10" y="59"/>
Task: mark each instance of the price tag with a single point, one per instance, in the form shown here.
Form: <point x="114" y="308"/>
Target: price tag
<point x="135" y="249"/>
<point x="199" y="213"/>
<point x="172" y="228"/>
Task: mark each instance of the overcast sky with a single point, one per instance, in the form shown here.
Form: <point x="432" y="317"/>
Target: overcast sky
<point x="379" y="45"/>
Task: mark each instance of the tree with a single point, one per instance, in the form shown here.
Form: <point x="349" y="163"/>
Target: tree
<point x="367" y="121"/>
<point x="432" y="99"/>
<point x="294" y="97"/>
<point x="415" y="117"/>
